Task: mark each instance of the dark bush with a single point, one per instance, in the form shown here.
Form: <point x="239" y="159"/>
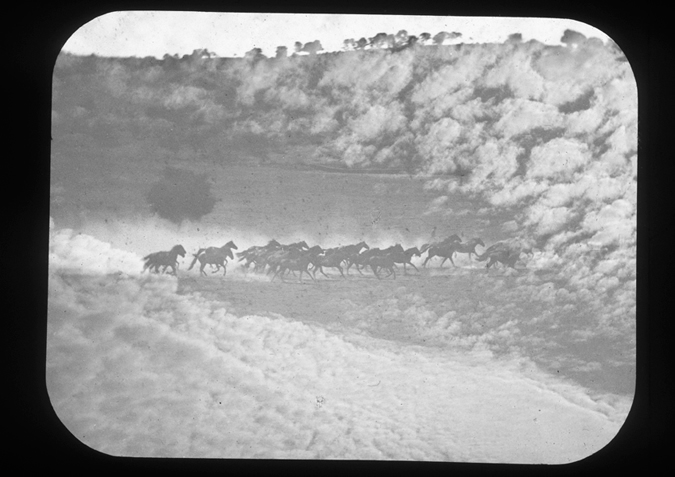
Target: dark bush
<point x="181" y="195"/>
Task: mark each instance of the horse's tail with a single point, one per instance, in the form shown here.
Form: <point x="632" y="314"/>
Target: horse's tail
<point x="482" y="258"/>
<point x="195" y="259"/>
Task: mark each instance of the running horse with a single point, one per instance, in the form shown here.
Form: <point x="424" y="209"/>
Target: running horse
<point x="214" y="256"/>
<point x="448" y="250"/>
<point x="164" y="259"/>
<point x="299" y="261"/>
<point x="405" y="257"/>
<point x="506" y="253"/>
<point x="454" y="238"/>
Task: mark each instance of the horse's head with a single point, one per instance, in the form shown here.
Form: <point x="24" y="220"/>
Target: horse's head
<point x="397" y="248"/>
<point x="477" y="241"/>
<point x="273" y="243"/>
<point x="413" y="251"/>
<point x="231" y="244"/>
<point x="363" y="244"/>
<point x="179" y="250"/>
<point x="303" y="244"/>
<point x="453" y="238"/>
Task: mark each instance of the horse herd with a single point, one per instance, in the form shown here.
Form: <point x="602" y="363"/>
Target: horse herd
<point x="277" y="259"/>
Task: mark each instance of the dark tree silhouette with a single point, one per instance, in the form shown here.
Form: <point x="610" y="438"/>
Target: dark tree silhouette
<point x="181" y="195"/>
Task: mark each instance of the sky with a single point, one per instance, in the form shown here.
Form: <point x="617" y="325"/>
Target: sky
<point x="151" y="33"/>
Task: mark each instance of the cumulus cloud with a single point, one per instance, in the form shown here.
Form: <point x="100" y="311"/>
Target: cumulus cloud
<point x="558" y="159"/>
<point x="73" y="251"/>
<point x="136" y="369"/>
<point x="610" y="223"/>
<point x="519" y="116"/>
<point x="515" y="71"/>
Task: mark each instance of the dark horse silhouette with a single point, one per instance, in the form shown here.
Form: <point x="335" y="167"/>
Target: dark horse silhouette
<point x="332" y="259"/>
<point x="299" y="263"/>
<point x="448" y="250"/>
<point x="164" y="259"/>
<point x="378" y="262"/>
<point x="405" y="257"/>
<point x="504" y="253"/>
<point x="254" y="254"/>
<point x="214" y="256"/>
<point x="451" y="239"/>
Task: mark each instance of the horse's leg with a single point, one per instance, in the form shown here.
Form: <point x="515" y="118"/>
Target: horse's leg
<point x="323" y="273"/>
<point x="340" y="268"/>
<point x="201" y="269"/>
<point x="412" y="265"/>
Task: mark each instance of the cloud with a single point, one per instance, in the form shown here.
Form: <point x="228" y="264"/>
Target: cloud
<point x="518" y="116"/>
<point x="467" y="68"/>
<point x="136" y="369"/>
<point x="547" y="219"/>
<point x="496" y="164"/>
<point x="613" y="223"/>
<point x="377" y="121"/>
<point x="365" y="72"/>
<point x="558" y="159"/>
<point x="515" y="71"/>
<point x="436" y="145"/>
<point x="72" y="251"/>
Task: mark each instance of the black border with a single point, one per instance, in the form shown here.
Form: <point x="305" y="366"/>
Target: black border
<point x="38" y="439"/>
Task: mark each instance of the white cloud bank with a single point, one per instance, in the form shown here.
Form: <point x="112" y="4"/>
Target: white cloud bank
<point x="136" y="369"/>
<point x="81" y="252"/>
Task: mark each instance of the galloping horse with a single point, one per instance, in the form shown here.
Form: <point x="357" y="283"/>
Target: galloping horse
<point x="505" y="258"/>
<point x="273" y="256"/>
<point x="349" y="253"/>
<point x="363" y="259"/>
<point x="299" y="263"/>
<point x="214" y="256"/>
<point x="451" y="239"/>
<point x="405" y="257"/>
<point x="504" y="253"/>
<point x="164" y="259"/>
<point x="379" y="262"/>
<point x="254" y="254"/>
<point x="331" y="260"/>
<point x="448" y="250"/>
